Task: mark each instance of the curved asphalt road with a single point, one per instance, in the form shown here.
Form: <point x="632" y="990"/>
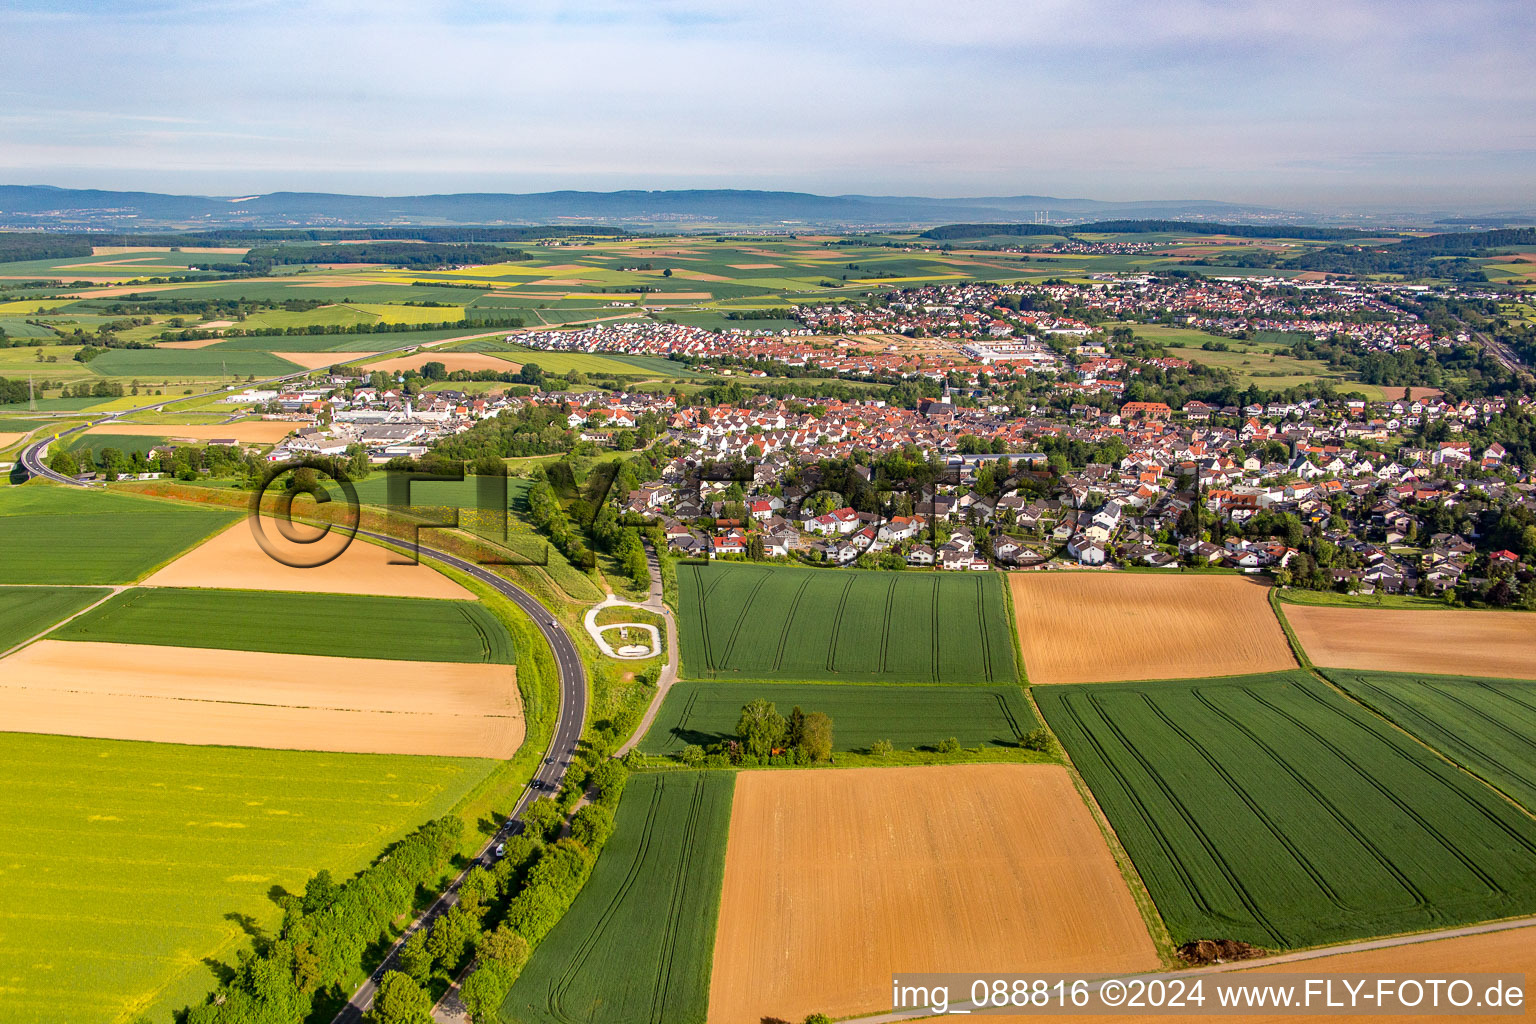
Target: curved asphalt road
<point x="562" y="750"/>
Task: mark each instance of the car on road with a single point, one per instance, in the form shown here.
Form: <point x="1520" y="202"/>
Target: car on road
<point x="501" y="850"/>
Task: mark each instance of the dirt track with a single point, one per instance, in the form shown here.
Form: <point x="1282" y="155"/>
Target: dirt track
<point x="1449" y="642"/>
<point x="1094" y="627"/>
<point x="241" y="698"/>
<point x="834" y="880"/>
<point x="233" y="559"/>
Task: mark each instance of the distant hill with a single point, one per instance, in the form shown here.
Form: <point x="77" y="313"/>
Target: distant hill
<point x="41" y="206"/>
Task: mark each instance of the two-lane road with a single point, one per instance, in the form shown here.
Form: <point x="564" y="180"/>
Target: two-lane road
<point x="557" y="759"/>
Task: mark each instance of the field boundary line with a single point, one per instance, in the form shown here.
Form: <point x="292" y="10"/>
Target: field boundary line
<point x="1297" y="650"/>
<point x="1151" y="917"/>
<point x="112" y="591"/>
<point x="1450" y="848"/>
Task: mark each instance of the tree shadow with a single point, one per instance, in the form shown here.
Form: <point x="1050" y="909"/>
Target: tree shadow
<point x="221" y="970"/>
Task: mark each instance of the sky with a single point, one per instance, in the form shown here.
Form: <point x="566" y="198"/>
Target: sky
<point x="1293" y="103"/>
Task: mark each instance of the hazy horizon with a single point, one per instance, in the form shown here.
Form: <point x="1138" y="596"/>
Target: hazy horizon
<point x="1361" y="104"/>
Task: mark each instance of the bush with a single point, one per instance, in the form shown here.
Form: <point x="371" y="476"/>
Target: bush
<point x="592" y="826"/>
<point x="949" y="746"/>
<point x="692" y="755"/>
<point x="1038" y="739"/>
<point x="882" y="748"/>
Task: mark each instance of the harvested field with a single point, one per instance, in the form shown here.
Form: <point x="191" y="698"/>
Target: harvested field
<point x="784" y="622"/>
<point x="1449" y="642"/>
<point x="246" y="699"/>
<point x="234" y="560"/>
<point x="834" y="880"/>
<point x="244" y="431"/>
<point x="320" y="360"/>
<point x="1509" y="951"/>
<point x="1488" y="726"/>
<point x="635" y="946"/>
<point x="1273" y="810"/>
<point x="452" y="360"/>
<point x="1081" y="627"/>
<point x="8" y="438"/>
<point x="193" y="344"/>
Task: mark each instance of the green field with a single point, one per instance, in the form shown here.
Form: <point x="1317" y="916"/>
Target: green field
<point x="72" y="535"/>
<point x="97" y="443"/>
<point x="135" y="867"/>
<point x="909" y="716"/>
<point x="188" y="362"/>
<point x="342" y="344"/>
<point x="1488" y="726"/>
<point x="785" y="622"/>
<point x="636" y="946"/>
<point x="1272" y="810"/>
<point x="338" y="625"/>
<point x="27" y="611"/>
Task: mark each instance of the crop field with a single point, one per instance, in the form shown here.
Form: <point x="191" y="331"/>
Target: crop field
<point x="234" y="560"/>
<point x="1442" y="642"/>
<point x="835" y="880"/>
<point x="1089" y="627"/>
<point x="908" y="716"/>
<point x="78" y="536"/>
<point x="342" y="626"/>
<point x="140" y="861"/>
<point x="248" y="431"/>
<point x="182" y="362"/>
<point x="95" y="443"/>
<point x="1272" y="810"/>
<point x="242" y="698"/>
<point x="635" y="946"/>
<point x="344" y="344"/>
<point x="1488" y="726"/>
<point x="28" y="611"/>
<point x="471" y="493"/>
<point x="783" y="622"/>
<point x="585" y="362"/>
<point x="452" y="362"/>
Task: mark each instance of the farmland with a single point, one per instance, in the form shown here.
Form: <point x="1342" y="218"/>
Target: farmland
<point x="1079" y="627"/>
<point x="1487" y="726"/>
<point x="1270" y="809"/>
<point x="909" y="716"/>
<point x="75" y="536"/>
<point x="27" y="611"/>
<point x="1440" y="641"/>
<point x="836" y="880"/>
<point x="234" y="559"/>
<point x="241" y="698"/>
<point x="635" y="946"/>
<point x="343" y="626"/>
<point x="784" y="622"/>
<point x="169" y="849"/>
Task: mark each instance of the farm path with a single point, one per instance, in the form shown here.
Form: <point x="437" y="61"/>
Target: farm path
<point x="655" y="603"/>
<point x="1298" y="956"/>
<point x="114" y="591"/>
